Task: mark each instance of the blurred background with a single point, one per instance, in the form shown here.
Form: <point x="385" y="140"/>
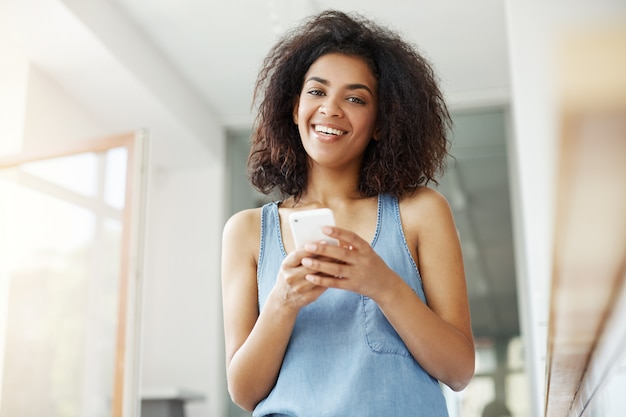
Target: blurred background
<point x="124" y="132"/>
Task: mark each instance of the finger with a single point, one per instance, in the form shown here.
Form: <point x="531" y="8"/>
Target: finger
<point x="324" y="281"/>
<point x="334" y="269"/>
<point x="347" y="238"/>
<point x="343" y="253"/>
<point x="294" y="259"/>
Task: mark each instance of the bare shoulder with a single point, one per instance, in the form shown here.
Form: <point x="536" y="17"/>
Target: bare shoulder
<point x="243" y="223"/>
<point x="425" y="215"/>
<point x="423" y="207"/>
<point x="426" y="198"/>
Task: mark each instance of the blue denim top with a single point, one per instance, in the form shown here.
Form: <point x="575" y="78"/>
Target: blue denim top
<point x="344" y="358"/>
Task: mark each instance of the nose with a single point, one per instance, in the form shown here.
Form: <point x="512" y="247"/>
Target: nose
<point x="330" y="108"/>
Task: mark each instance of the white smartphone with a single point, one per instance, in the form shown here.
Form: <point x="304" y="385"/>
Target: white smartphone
<point x="306" y="226"/>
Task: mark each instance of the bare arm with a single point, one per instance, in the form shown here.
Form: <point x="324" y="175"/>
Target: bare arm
<point x="256" y="343"/>
<point x="438" y="335"/>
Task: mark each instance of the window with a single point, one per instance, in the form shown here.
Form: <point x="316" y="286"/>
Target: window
<point x="69" y="245"/>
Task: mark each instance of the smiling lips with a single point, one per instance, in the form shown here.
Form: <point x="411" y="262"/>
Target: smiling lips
<point x="329" y="130"/>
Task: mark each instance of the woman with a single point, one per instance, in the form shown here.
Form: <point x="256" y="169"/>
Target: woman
<point x="350" y="118"/>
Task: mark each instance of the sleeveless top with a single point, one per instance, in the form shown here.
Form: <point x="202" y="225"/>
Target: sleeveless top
<point x="344" y="358"/>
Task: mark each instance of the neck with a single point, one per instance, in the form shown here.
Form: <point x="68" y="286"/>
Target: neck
<point x="329" y="189"/>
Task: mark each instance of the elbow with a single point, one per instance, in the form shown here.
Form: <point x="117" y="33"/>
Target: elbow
<point x="464" y="369"/>
<point x="244" y="406"/>
<point x="462" y="377"/>
<point x="459" y="385"/>
<point x="242" y="398"/>
<point x="245" y="390"/>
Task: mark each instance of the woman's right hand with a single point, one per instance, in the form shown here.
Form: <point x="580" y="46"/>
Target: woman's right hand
<point x="291" y="289"/>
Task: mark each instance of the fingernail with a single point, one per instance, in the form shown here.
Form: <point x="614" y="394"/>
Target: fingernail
<point x="310" y="247"/>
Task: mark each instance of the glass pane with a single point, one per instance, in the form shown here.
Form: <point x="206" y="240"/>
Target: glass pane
<point x="115" y="177"/>
<point x="60" y="266"/>
<point x="101" y="313"/>
<point x="78" y="173"/>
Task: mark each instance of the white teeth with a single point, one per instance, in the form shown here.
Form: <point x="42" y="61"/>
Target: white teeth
<point x="328" y="130"/>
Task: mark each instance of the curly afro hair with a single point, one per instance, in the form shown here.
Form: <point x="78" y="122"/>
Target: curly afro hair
<point x="412" y="118"/>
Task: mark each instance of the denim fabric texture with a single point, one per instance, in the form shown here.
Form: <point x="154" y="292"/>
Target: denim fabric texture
<point x="344" y="358"/>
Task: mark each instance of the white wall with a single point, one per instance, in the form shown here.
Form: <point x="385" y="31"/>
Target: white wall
<point x="182" y="330"/>
<point x="534" y="28"/>
<point x="52" y="117"/>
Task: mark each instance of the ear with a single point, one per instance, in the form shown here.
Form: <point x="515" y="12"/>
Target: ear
<point x="376" y="135"/>
<point x="296" y="106"/>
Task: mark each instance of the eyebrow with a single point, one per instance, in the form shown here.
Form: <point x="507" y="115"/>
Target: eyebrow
<point x="349" y="86"/>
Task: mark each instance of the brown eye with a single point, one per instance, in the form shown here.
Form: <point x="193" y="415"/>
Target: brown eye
<point x="356" y="100"/>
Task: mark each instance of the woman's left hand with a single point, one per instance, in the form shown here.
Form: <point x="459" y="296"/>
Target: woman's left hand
<point x="353" y="265"/>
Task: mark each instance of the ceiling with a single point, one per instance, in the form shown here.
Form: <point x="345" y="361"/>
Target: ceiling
<point x="218" y="49"/>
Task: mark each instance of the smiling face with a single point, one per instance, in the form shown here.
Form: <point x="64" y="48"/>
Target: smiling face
<point x="336" y="110"/>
